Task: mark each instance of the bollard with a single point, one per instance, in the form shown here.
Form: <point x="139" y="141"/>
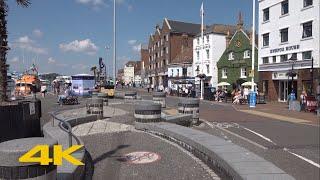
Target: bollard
<point x="11" y="168"/>
<point x="103" y="96"/>
<point x="189" y="106"/>
<point x="130" y="96"/>
<point x="146" y="112"/>
<point x="159" y="98"/>
<point x="95" y="106"/>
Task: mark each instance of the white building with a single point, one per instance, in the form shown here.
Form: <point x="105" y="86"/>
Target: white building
<point x="288" y="29"/>
<point x="210" y="51"/>
<point x="129" y="72"/>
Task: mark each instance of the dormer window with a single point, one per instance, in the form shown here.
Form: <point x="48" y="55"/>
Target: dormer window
<point x="231" y="56"/>
<point x="246" y="54"/>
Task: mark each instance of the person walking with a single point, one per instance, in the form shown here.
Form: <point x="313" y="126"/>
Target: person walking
<point x="43" y="91"/>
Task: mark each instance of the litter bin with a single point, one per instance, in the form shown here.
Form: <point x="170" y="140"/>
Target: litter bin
<point x="252" y="99"/>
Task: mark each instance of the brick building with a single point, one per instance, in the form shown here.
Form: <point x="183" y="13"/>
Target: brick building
<point x="164" y="45"/>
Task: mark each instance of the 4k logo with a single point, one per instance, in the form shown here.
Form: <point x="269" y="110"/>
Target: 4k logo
<point x="58" y="155"/>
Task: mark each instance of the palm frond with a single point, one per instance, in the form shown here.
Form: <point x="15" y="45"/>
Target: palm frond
<point x="24" y="3"/>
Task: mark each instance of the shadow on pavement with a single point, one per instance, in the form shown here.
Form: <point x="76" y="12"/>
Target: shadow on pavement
<point x="109" y="153"/>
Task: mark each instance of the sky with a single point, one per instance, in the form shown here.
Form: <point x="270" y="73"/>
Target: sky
<point x="68" y="36"/>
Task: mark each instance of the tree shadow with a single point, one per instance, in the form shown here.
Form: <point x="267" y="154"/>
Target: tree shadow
<point x="109" y="154"/>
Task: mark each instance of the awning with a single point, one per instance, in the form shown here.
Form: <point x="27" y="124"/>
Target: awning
<point x="223" y="84"/>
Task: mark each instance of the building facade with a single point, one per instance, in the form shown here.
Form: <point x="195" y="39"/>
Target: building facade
<point x="129" y="72"/>
<point x="144" y="54"/>
<point x="164" y="45"/>
<point x="288" y="39"/>
<point x="207" y="52"/>
<point x="236" y="61"/>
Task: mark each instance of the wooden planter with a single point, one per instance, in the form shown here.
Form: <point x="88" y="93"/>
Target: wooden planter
<point x="20" y="120"/>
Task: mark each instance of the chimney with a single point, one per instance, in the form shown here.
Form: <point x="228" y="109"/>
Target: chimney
<point x="240" y="21"/>
<point x="228" y="38"/>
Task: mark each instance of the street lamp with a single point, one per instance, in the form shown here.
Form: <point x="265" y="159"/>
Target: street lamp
<point x="292" y="74"/>
<point x="202" y="77"/>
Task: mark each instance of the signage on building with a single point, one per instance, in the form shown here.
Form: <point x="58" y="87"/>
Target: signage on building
<point x="281" y="76"/>
<point x="282" y="49"/>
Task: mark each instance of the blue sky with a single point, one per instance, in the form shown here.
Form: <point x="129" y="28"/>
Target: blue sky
<point x="68" y="36"/>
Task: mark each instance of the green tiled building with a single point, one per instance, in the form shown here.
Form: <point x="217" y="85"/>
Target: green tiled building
<point x="235" y="63"/>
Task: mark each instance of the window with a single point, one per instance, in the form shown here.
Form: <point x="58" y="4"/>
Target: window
<point x="208" y="68"/>
<point x="178" y="73"/>
<point x="307" y="3"/>
<point x="284" y="58"/>
<point x="198" y="41"/>
<point x="266" y="15"/>
<point x="198" y="55"/>
<point x="265" y="60"/>
<point x="265" y="39"/>
<point x="208" y="53"/>
<point x="197" y="70"/>
<point x="284" y="7"/>
<point x="307" y="55"/>
<point x="307" y="30"/>
<point x="284" y="35"/>
<point x="243" y="73"/>
<point x="231" y="56"/>
<point x="224" y="73"/>
<point x="246" y="54"/>
<point x="207" y="38"/>
<point x="164" y="62"/>
<point x="294" y="56"/>
<point x="274" y="59"/>
<point x="172" y="72"/>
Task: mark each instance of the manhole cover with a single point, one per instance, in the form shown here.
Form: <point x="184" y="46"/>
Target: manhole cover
<point x="141" y="157"/>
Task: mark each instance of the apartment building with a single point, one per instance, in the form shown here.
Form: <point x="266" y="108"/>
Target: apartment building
<point x="288" y="39"/>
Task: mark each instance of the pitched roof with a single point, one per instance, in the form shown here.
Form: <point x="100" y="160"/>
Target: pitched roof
<point x="219" y="29"/>
<point x="184" y="27"/>
<point x="131" y="63"/>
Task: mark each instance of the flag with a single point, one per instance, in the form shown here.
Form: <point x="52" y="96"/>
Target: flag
<point x="201" y="10"/>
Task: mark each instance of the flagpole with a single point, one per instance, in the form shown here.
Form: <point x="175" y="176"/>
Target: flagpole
<point x="202" y="48"/>
<point x="114" y="41"/>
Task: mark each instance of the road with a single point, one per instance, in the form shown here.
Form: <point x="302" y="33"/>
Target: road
<point x="290" y="146"/>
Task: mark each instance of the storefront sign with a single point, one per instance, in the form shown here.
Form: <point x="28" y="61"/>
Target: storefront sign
<point x="281" y="76"/>
<point x="282" y="49"/>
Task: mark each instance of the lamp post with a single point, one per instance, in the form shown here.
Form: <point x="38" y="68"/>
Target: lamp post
<point x="202" y="77"/>
<point x="292" y="74"/>
<point x="114" y="41"/>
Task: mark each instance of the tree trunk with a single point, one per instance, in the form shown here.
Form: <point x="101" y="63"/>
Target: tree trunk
<point x="3" y="51"/>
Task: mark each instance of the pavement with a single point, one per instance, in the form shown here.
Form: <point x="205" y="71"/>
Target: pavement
<point x="109" y="142"/>
<point x="288" y="139"/>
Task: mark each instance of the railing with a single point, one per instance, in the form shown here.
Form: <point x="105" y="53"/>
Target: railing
<point x="63" y="124"/>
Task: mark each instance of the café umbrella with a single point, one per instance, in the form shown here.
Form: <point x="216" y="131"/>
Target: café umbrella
<point x="248" y="84"/>
<point x="223" y="84"/>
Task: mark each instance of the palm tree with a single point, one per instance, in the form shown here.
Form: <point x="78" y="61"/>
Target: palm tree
<point x="4" y="45"/>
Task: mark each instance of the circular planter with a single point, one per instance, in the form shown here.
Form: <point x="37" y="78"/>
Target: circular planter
<point x="146" y="112"/>
<point x="159" y="98"/>
<point x="11" y="168"/>
<point x="189" y="106"/>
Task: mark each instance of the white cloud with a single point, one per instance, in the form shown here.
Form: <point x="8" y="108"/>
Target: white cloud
<point x="136" y="48"/>
<point x="37" y="33"/>
<point x="14" y="60"/>
<point x="132" y="42"/>
<point x="29" y="45"/>
<point x="84" y="46"/>
<point x="51" y="60"/>
<point x="96" y="4"/>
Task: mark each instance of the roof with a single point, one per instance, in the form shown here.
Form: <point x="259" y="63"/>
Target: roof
<point x="131" y="63"/>
<point x="219" y="29"/>
<point x="185" y="56"/>
<point x="184" y="27"/>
